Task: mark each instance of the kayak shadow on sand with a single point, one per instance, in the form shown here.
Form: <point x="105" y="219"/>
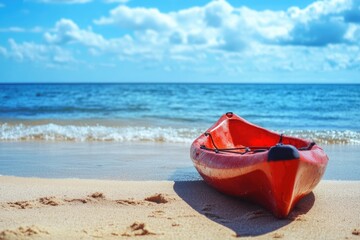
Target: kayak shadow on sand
<point x="244" y="218"/>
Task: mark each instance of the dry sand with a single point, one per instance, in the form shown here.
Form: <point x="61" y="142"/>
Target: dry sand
<point x="87" y="209"/>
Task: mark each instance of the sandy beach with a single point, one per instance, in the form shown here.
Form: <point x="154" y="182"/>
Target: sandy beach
<point x="86" y="209"/>
<point x="119" y="194"/>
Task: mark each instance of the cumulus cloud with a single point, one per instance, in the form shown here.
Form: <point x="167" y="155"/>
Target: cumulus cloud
<point x="353" y="33"/>
<point x="219" y="25"/>
<point x="217" y="12"/>
<point x="67" y="32"/>
<point x="219" y="29"/>
<point x="319" y="9"/>
<point x="137" y="18"/>
<point x="29" y="51"/>
<point x="319" y="36"/>
<point x="319" y="24"/>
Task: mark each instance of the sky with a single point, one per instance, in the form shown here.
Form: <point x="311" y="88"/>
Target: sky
<point x="219" y="41"/>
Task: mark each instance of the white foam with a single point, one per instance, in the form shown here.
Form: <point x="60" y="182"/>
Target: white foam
<point x="54" y="132"/>
<point x="328" y="136"/>
<point x="58" y="132"/>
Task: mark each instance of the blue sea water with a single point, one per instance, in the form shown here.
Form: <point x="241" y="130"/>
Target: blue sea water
<point x="144" y="131"/>
<point x="175" y="112"/>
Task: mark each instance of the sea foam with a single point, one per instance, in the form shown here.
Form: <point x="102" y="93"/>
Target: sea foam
<point x="58" y="132"/>
<point x="55" y="132"/>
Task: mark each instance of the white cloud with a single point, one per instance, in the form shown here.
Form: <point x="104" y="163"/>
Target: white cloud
<point x="218" y="29"/>
<point x="217" y="12"/>
<point x="319" y="24"/>
<point x="29" y="51"/>
<point x="319" y="9"/>
<point x="353" y="33"/>
<point x="340" y="58"/>
<point x="137" y="18"/>
<point x="215" y="25"/>
<point x="321" y="36"/>
<point x="68" y="32"/>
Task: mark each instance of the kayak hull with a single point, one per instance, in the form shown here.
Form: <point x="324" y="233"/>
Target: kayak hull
<point x="276" y="185"/>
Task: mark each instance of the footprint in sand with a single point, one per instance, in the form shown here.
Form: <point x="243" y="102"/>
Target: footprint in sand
<point x="20" y="204"/>
<point x="137" y="229"/>
<point x="87" y="199"/>
<point x="97" y="195"/>
<point x="158" y="198"/>
<point x="129" y="202"/>
<point x="22" y="232"/>
<point x="75" y="200"/>
<point x="50" y="201"/>
<point x="54" y="201"/>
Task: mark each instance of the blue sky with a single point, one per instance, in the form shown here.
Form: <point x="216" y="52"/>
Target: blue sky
<point x="180" y="41"/>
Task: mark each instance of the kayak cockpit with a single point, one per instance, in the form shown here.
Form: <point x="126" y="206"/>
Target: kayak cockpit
<point x="236" y="135"/>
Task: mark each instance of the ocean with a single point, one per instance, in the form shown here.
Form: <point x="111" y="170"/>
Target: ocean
<point x="37" y="117"/>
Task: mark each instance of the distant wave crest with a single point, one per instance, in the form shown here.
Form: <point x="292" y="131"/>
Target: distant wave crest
<point x="58" y="132"/>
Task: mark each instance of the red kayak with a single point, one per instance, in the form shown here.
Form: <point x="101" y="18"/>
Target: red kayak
<point x="244" y="160"/>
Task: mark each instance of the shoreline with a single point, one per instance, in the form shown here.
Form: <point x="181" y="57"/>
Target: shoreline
<point x="133" y="161"/>
<point x="84" y="208"/>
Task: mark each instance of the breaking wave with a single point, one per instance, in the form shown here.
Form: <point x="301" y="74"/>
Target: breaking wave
<point x="328" y="136"/>
<point x="55" y="132"/>
<point x="82" y="133"/>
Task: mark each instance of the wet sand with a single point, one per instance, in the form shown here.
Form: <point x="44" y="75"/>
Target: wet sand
<point x="86" y="209"/>
<point x="132" y="161"/>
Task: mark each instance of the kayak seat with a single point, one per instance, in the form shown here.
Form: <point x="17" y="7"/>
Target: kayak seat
<point x="283" y="152"/>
